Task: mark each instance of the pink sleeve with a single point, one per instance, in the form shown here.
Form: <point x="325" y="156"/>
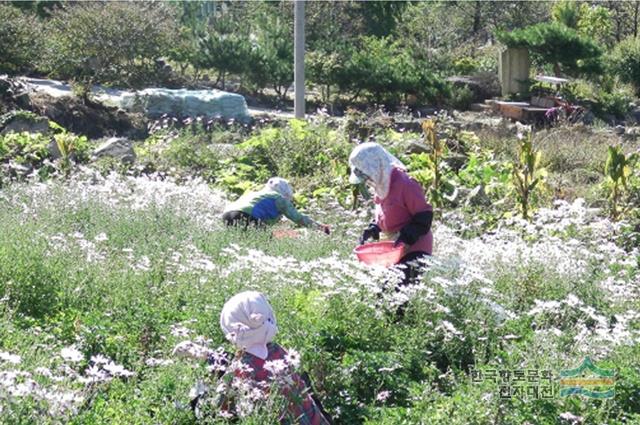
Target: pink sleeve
<point x="414" y="198"/>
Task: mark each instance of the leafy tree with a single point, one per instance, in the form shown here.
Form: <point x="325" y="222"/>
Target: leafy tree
<point x="379" y="17"/>
<point x="558" y="45"/>
<point x="592" y="21"/>
<point x="224" y="47"/>
<point x="377" y="65"/>
<point x="566" y="12"/>
<point x="595" y="21"/>
<point x="625" y="16"/>
<point x="108" y="42"/>
<point x="322" y="69"/>
<point x="41" y="8"/>
<point x="330" y="23"/>
<point x="271" y="55"/>
<point x="184" y="50"/>
<point x="441" y="31"/>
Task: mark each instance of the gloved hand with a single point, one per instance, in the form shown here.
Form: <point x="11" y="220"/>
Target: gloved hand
<point x="401" y="240"/>
<point x="326" y="229"/>
<point x="371" y="232"/>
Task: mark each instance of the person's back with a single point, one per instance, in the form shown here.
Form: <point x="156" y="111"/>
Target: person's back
<point x="264" y="205"/>
<point x="267" y="206"/>
<point x="277" y="368"/>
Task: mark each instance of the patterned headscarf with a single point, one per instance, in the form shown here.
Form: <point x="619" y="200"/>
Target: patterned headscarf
<point x="370" y="161"/>
<point x="248" y="321"/>
<point x="281" y="186"/>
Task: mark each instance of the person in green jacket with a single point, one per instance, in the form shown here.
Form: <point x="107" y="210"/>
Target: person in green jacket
<point x="267" y="206"/>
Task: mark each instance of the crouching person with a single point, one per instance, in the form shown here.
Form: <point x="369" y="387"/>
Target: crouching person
<point x="267" y="206"/>
<point x="261" y="379"/>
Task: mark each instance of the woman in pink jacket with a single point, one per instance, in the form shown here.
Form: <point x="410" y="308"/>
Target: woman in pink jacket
<point x="401" y="212"/>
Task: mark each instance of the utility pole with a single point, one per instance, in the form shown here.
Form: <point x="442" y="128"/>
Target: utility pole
<point x="298" y="61"/>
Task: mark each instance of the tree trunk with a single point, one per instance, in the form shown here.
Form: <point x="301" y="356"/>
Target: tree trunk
<point x="635" y="19"/>
<point x="619" y="19"/>
<point x="476" y="17"/>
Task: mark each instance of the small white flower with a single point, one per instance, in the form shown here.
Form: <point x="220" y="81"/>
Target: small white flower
<point x="276" y="367"/>
<point x="180" y="331"/>
<point x="571" y="418"/>
<point x="71" y="354"/>
<point x="43" y="371"/>
<point x="10" y="358"/>
<point x="117" y="370"/>
<point x="383" y="396"/>
<point x="99" y="359"/>
<point x="293" y="358"/>
<point x="151" y="362"/>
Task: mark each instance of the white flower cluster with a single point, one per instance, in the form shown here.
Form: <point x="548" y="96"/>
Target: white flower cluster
<point x="65" y="386"/>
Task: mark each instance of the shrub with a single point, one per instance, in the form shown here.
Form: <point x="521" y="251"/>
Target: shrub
<point x="625" y="62"/>
<point x="24" y="148"/>
<point x="614" y="103"/>
<point x="385" y="70"/>
<point x="182" y="152"/>
<point x="108" y="42"/>
<point x="20" y="40"/>
<point x="465" y="65"/>
<point x="34" y="149"/>
<point x="461" y="98"/>
<point x="606" y="98"/>
<point x="311" y="155"/>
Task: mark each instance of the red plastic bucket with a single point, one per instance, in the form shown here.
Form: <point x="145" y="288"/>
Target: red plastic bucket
<point x="379" y="253"/>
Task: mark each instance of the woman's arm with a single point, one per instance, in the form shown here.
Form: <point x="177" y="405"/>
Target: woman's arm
<point x="421" y="214"/>
<point x="286" y="207"/>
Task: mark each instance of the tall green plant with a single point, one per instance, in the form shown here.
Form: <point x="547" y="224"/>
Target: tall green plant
<point x="427" y="168"/>
<point x="617" y="169"/>
<point x="527" y="175"/>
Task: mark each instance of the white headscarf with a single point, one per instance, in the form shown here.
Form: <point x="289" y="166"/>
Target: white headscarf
<point x="247" y="320"/>
<point x="376" y="163"/>
<point x="281" y="186"/>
